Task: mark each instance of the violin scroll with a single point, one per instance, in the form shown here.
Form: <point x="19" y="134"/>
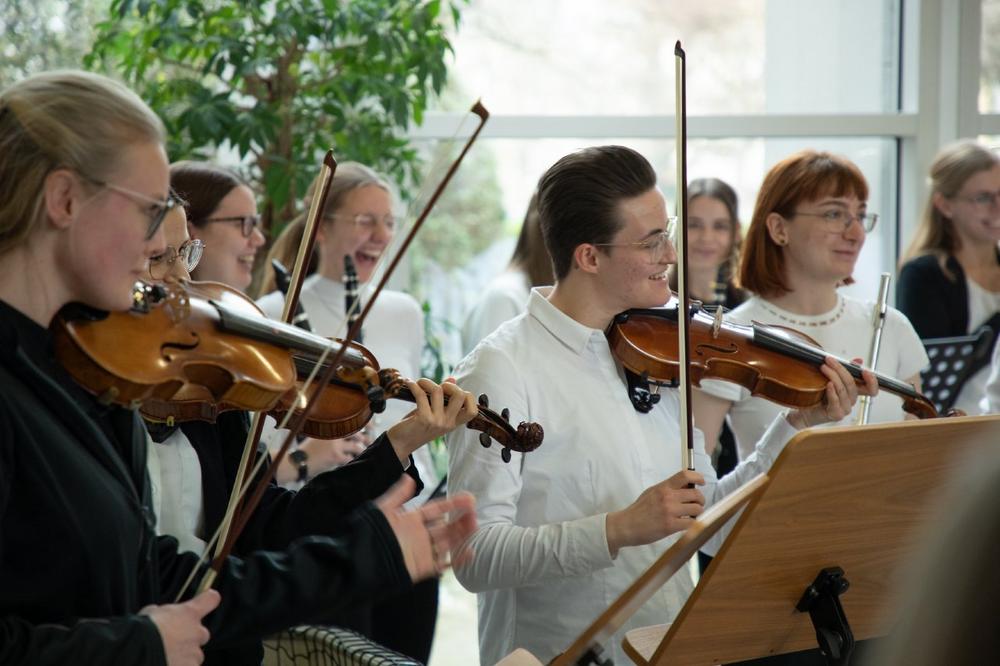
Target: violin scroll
<point x="491" y="426"/>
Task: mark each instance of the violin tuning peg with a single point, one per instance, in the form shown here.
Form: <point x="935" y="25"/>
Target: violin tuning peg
<point x="505" y="454"/>
<point x="505" y="414"/>
<point x="484" y="400"/>
<point x="485" y="440"/>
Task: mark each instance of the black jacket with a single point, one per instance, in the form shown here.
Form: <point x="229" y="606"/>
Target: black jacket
<point x="936" y="305"/>
<point x="78" y="556"/>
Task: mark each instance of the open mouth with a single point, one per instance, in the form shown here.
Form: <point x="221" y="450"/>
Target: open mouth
<point x="659" y="277"/>
<point x="366" y="259"/>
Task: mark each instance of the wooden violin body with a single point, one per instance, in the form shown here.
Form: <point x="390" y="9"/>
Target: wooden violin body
<point x="776" y="363"/>
<point x="188" y="351"/>
<point x="169" y="348"/>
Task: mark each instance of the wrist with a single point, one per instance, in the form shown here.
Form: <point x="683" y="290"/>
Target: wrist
<point x="797" y="419"/>
<point x="400" y="443"/>
<point x="614" y="529"/>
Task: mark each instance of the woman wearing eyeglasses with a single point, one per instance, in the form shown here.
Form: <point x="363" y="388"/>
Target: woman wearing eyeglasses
<point x="222" y="213"/>
<point x="358" y="222"/>
<point x="807" y="230"/>
<point x="949" y="282"/>
<point x="713" y="260"/>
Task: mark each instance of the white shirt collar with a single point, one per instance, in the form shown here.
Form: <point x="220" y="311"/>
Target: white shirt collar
<point x="564" y="328"/>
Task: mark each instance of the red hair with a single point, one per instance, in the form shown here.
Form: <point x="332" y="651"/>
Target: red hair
<point x="808" y="175"/>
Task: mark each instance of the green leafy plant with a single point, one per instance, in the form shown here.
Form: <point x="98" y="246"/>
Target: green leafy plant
<point x="282" y="81"/>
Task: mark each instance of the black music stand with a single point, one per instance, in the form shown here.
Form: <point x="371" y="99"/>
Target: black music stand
<point x="953" y="360"/>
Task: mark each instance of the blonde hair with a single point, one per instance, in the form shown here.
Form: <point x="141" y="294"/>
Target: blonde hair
<point x="62" y="119"/>
<point x="350" y="176"/>
<point x="952" y="167"/>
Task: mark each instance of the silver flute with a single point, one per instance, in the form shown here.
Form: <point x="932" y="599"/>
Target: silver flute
<point x="878" y="322"/>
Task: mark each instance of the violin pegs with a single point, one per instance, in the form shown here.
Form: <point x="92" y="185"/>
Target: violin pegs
<point x="505" y="454"/>
<point x="484" y="400"/>
<point x="485" y="440"/>
<point x="505" y="414"/>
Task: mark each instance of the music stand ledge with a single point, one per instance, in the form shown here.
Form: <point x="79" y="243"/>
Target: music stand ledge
<point x="854" y="498"/>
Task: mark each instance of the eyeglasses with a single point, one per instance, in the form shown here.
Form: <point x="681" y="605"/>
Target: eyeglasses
<point x="656" y="246"/>
<point x="365" y="221"/>
<point x="155" y="209"/>
<point x="189" y="252"/>
<point x="984" y="199"/>
<point x="247" y="222"/>
<point x="839" y="221"/>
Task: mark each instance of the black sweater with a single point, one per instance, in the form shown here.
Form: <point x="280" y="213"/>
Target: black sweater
<point x="78" y="555"/>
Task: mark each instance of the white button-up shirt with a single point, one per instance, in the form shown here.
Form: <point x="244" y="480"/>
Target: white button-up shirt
<point x="542" y="566"/>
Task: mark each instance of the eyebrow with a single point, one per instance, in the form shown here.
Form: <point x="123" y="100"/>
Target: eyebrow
<point x="839" y="203"/>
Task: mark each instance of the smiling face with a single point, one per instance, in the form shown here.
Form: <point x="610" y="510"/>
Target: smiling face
<point x="362" y="227"/>
<point x="711" y="232"/>
<point x="975" y="209"/>
<point x="229" y="255"/>
<point x="815" y="250"/>
<point x="628" y="276"/>
<point x="105" y="250"/>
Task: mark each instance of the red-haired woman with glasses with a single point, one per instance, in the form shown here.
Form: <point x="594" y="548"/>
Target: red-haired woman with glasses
<point x="807" y="230"/>
<point x="949" y="282"/>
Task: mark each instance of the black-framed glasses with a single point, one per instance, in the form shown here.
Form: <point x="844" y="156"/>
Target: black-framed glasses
<point x="155" y="209"/>
<point x="655" y="246"/>
<point x="838" y="221"/>
<point x="984" y="199"/>
<point x="247" y="222"/>
<point x="189" y="252"/>
<point x="366" y="221"/>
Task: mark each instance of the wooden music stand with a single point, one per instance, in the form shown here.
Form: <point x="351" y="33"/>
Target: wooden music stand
<point x="588" y="645"/>
<point x="853" y="498"/>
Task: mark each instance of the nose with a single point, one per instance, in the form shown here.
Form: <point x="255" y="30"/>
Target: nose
<point x="382" y="232"/>
<point x="669" y="254"/>
<point x="157" y="244"/>
<point x="257" y="237"/>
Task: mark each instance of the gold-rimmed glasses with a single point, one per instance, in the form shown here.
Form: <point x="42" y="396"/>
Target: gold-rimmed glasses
<point x="155" y="209"/>
<point x="656" y="245"/>
<point x="838" y="221"/>
<point x="366" y="221"/>
<point x="189" y="252"/>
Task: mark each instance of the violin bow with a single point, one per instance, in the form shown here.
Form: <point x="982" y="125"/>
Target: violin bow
<point x="329" y="370"/>
<point x="683" y="304"/>
<point x="234" y="509"/>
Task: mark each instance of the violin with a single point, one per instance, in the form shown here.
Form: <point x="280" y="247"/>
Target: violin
<point x="772" y="362"/>
<point x="190" y="350"/>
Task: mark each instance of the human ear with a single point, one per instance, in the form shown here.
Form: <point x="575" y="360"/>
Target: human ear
<point x="942" y="204"/>
<point x="585" y="257"/>
<point x="62" y="193"/>
<point x="777" y="229"/>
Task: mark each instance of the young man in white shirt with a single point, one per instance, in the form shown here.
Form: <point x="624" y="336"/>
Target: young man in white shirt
<point x="564" y="529"/>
